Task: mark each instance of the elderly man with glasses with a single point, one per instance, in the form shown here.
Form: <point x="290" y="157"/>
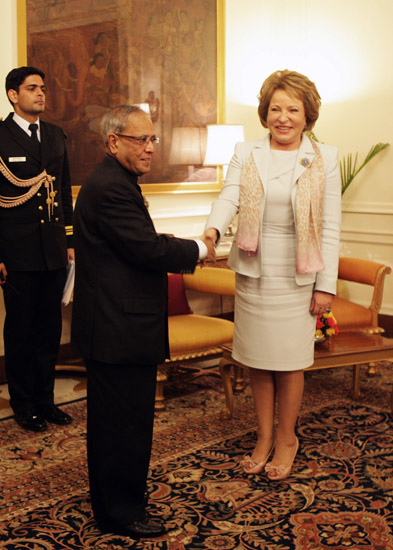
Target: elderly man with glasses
<point x="120" y="321"/>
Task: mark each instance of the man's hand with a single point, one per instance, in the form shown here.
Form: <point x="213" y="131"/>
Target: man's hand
<point x="3" y="273"/>
<point x="211" y="248"/>
<point x="70" y="255"/>
<point x="210" y="238"/>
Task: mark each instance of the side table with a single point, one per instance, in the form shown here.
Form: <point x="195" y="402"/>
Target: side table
<point x="346" y="348"/>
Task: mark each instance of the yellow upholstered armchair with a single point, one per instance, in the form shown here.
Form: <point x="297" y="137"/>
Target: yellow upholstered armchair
<point x="350" y="315"/>
<point x="194" y="338"/>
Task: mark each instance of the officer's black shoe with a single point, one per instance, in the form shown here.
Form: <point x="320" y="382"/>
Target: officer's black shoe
<point x="54" y="415"/>
<point x="30" y="421"/>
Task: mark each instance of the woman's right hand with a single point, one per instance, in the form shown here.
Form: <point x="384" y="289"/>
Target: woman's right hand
<point x="211" y="234"/>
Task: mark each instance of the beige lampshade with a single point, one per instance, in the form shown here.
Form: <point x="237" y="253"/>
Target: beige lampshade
<point x="188" y="146"/>
<point x="221" y="141"/>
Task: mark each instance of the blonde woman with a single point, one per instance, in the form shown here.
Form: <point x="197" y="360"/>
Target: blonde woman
<point x="286" y="189"/>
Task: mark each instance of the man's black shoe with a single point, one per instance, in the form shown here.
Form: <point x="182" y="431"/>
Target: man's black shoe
<point x="54" y="415"/>
<point x="30" y="421"/>
<point x="144" y="528"/>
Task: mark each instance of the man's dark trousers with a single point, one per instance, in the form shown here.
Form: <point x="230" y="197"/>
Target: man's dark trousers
<point x="32" y="332"/>
<point x="120" y="415"/>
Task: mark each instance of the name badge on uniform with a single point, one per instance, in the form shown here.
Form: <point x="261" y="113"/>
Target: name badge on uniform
<point x="16" y="159"/>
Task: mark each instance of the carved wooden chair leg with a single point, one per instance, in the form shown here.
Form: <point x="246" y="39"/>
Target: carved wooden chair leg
<point x="161" y="379"/>
<point x="238" y="379"/>
<point x="225" y="372"/>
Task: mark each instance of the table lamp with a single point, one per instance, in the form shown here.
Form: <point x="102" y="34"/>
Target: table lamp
<point x="188" y="147"/>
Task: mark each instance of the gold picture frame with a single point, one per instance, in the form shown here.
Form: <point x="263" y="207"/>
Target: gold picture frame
<point x="45" y="39"/>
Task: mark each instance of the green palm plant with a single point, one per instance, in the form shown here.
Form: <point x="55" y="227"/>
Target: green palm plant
<point x="348" y="165"/>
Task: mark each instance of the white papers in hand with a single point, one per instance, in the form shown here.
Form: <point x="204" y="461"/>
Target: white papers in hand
<point x="69" y="284"/>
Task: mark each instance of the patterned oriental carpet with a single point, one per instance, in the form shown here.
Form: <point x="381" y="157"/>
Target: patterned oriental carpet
<point x="338" y="497"/>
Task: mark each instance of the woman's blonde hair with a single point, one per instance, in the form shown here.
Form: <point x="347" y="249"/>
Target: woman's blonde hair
<point x="295" y="84"/>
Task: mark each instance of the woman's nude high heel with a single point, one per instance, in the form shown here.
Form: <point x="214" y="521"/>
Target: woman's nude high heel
<point x="251" y="467"/>
<point x="276" y="473"/>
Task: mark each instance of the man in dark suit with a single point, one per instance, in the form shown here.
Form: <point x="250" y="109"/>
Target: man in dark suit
<point x="119" y="321"/>
<point x="35" y="247"/>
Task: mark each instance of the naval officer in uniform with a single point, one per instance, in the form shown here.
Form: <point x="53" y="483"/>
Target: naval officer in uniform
<point x="35" y="248"/>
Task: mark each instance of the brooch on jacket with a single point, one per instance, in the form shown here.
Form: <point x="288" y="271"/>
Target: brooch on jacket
<point x="305" y="162"/>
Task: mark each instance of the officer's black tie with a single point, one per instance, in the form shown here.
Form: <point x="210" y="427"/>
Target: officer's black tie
<point x="33" y="129"/>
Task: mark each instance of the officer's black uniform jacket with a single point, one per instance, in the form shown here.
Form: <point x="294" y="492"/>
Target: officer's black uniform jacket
<point x="31" y="238"/>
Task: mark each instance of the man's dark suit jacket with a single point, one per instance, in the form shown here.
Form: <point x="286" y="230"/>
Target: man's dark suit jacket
<point x="120" y="297"/>
<point x="29" y="241"/>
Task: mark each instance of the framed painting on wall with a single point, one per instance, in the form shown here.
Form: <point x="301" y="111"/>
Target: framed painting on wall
<point x="165" y="55"/>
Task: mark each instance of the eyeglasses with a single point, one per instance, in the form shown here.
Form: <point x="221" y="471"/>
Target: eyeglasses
<point x="143" y="140"/>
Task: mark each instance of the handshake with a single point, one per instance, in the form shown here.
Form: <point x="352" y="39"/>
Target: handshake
<point x="210" y="238"/>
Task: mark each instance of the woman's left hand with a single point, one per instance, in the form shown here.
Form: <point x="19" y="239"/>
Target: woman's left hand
<point x="321" y="302"/>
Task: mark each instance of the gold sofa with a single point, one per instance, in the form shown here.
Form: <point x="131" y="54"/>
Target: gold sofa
<point x="195" y="338"/>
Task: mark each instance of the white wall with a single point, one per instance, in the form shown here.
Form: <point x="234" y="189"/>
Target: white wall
<point x="8" y="45"/>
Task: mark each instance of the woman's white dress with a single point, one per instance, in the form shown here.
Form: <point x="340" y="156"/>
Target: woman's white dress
<point x="274" y="329"/>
